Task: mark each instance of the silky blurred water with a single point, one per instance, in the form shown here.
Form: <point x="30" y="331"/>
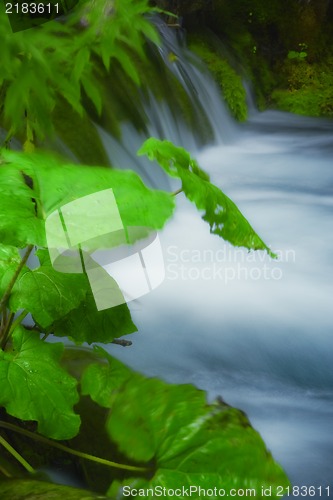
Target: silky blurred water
<point x="255" y="330"/>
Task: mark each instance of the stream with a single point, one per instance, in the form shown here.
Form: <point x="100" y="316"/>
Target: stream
<point x="254" y="330"/>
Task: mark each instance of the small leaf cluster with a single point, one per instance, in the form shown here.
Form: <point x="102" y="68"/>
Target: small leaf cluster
<point x="56" y="59"/>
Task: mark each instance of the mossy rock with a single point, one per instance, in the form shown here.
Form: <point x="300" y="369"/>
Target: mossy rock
<point x="224" y="74"/>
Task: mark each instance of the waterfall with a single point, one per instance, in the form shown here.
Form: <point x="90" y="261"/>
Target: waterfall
<point x="211" y="121"/>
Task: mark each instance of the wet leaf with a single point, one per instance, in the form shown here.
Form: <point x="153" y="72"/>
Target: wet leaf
<point x="222" y="215"/>
<point x="101" y="381"/>
<point x="48" y="294"/>
<point x="33" y="385"/>
<point x="183" y="440"/>
<point x="52" y="184"/>
<point x="87" y="324"/>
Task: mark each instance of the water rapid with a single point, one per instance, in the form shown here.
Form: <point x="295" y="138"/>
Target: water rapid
<point x="254" y="330"/>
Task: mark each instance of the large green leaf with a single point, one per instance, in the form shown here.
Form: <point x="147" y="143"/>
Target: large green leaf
<point x="183" y="440"/>
<point x="33" y="385"/>
<point x="101" y="381"/>
<point x="34" y="186"/>
<point x="87" y="324"/>
<point x="47" y="294"/>
<point x="222" y="215"/>
<point x="20" y="225"/>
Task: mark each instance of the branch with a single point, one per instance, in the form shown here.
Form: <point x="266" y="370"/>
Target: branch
<point x="16" y="455"/>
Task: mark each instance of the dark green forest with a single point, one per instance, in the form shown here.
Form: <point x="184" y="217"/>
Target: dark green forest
<point x="285" y="48"/>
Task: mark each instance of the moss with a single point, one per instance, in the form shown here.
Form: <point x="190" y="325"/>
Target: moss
<point x="309" y="89"/>
<point x="263" y="33"/>
<point x="224" y="74"/>
<point x="304" y="102"/>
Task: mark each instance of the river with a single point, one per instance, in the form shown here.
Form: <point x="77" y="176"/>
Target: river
<point x="254" y="330"/>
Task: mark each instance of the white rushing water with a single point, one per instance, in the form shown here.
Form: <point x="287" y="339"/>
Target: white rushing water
<point x="238" y="324"/>
<point x="254" y="330"/>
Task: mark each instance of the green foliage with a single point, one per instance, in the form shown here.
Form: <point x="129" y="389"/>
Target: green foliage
<point x="9" y="261"/>
<point x="56" y="60"/>
<point x="86" y="324"/>
<point x="64" y="292"/>
<point x="299" y="54"/>
<point x="33" y="187"/>
<point x="292" y="54"/>
<point x="79" y="134"/>
<point x="221" y="213"/>
<point x="170" y="431"/>
<point x="170" y="426"/>
<point x="102" y="381"/>
<point x="33" y="386"/>
<point x="308" y="88"/>
<point x="225" y="75"/>
<point x="24" y="208"/>
<point x="308" y="101"/>
<point x="284" y="35"/>
<point x="177" y="434"/>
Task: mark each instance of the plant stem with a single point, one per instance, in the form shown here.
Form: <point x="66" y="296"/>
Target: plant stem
<point x="18" y="320"/>
<point x="178" y="191"/>
<point x="16" y="455"/>
<point x="14" y="278"/>
<point x="3" y="320"/>
<point x="7" y="329"/>
<point x="87" y="456"/>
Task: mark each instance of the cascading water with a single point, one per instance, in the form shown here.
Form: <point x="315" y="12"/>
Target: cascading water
<point x="239" y="324"/>
<point x="211" y="122"/>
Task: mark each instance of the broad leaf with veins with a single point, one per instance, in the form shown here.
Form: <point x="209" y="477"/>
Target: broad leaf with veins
<point x="48" y="294"/>
<point x="33" y="385"/>
<point x="86" y="324"/>
<point x="32" y="186"/>
<point x="222" y="215"/>
<point x="177" y="435"/>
